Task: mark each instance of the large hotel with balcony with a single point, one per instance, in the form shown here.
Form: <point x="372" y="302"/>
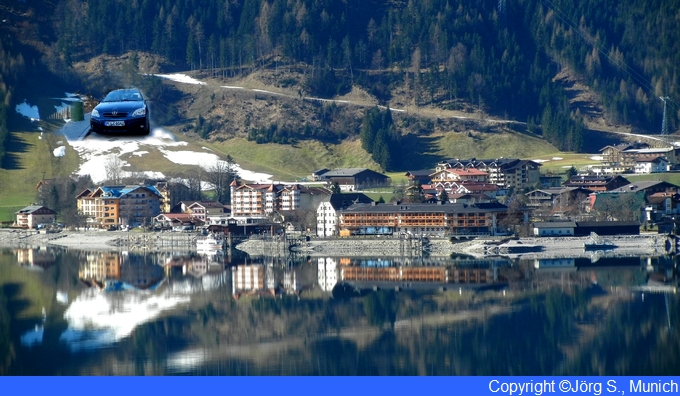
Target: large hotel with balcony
<point x="421" y="218"/>
<point x="263" y="199"/>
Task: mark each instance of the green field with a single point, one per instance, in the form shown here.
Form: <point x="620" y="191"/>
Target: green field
<point x="289" y="162"/>
<point x="673" y="178"/>
<point x="559" y="163"/>
<point x="30" y="159"/>
<point x="294" y="162"/>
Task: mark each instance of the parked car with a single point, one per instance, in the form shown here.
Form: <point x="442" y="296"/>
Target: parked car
<point x="121" y="111"/>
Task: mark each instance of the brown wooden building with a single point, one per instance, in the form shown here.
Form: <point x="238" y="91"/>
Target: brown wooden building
<point x="418" y="219"/>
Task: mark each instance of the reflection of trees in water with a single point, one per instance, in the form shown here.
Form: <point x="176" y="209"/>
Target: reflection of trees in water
<point x="6" y="346"/>
<point x="637" y="339"/>
<point x="550" y="333"/>
<point x="381" y="307"/>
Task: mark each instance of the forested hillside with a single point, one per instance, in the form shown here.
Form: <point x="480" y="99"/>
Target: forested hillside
<point x="499" y="56"/>
<point x="12" y="68"/>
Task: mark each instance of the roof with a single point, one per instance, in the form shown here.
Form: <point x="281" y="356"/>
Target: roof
<point x="592" y="180"/>
<point x="419" y="174"/>
<point x="32" y="208"/>
<point x="176" y="216"/>
<point x="519" y="164"/>
<point x="468" y="171"/>
<point x="342" y="201"/>
<point x="348" y="172"/>
<point x="477" y="162"/>
<point x="607" y="223"/>
<point x="650" y="150"/>
<point x="461" y="196"/>
<point x="557" y="190"/>
<point x="315" y="190"/>
<point x="659" y="197"/>
<point x="320" y="172"/>
<point x="270" y="187"/>
<point x="643" y="185"/>
<point x="427" y="208"/>
<point x="84" y="193"/>
<point x="656" y="159"/>
<point x="626" y="146"/>
<point x="119" y="191"/>
<point x="555" y="224"/>
<point x="478" y="186"/>
<point x="206" y="204"/>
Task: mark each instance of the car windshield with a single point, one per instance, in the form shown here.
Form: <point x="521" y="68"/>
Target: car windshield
<point x="123" y="96"/>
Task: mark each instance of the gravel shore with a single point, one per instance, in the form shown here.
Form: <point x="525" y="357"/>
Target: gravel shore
<point x="545" y="247"/>
<point x="97" y="240"/>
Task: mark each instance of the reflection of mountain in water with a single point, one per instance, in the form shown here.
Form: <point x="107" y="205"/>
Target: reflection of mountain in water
<point x="97" y="319"/>
<point x="132" y="290"/>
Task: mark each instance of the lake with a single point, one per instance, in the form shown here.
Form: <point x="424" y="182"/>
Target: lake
<point x="75" y="312"/>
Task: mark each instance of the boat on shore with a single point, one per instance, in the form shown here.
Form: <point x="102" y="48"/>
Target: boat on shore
<point x="596" y="242"/>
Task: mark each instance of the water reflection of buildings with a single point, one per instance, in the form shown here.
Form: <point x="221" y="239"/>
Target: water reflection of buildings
<point x="327" y="273"/>
<point x="275" y="277"/>
<point x="35" y="258"/>
<point x="386" y="272"/>
<point x="649" y="273"/>
<point x="196" y="266"/>
<point x="114" y="270"/>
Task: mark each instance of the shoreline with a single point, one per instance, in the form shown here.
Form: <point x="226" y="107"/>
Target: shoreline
<point x="525" y="248"/>
<point x="97" y="240"/>
<point x="543" y="247"/>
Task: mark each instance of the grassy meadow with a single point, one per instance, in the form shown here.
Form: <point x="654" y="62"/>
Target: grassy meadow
<point x="30" y="158"/>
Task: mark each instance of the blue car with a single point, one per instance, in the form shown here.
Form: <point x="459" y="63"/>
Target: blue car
<point x="121" y="111"/>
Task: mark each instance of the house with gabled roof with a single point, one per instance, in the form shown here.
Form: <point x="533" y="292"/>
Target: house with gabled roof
<point x="418" y="177"/>
<point x="177" y="221"/>
<point x="656" y="164"/>
<point x="649" y="187"/>
<point x="202" y="210"/>
<point x="263" y="199"/>
<point x="460" y="175"/>
<point x="625" y="157"/>
<point x="113" y="206"/>
<point x="554" y="228"/>
<point x="504" y="172"/>
<point x="492" y="190"/>
<point x="597" y="183"/>
<point x="34" y="215"/>
<point x="318" y="174"/>
<point x="559" y="201"/>
<point x="470" y="199"/>
<point x="354" y="179"/>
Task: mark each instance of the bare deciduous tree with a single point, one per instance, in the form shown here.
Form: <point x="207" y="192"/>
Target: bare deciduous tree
<point x="114" y="169"/>
<point x="220" y="175"/>
<point x="192" y="179"/>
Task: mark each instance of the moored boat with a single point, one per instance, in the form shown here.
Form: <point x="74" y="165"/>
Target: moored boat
<point x="596" y="242"/>
<point x="209" y="244"/>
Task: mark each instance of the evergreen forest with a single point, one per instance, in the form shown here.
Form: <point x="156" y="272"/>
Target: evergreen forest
<point x="500" y="56"/>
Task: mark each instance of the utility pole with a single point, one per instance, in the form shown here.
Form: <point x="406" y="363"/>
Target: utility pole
<point x="664" y="123"/>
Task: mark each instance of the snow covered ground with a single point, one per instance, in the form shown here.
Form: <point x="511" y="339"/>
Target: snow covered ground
<point x="95" y="151"/>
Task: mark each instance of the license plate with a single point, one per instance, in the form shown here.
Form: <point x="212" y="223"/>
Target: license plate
<point x="114" y="123"/>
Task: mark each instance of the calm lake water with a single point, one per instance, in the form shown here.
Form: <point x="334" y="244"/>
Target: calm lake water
<point x="74" y="312"/>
